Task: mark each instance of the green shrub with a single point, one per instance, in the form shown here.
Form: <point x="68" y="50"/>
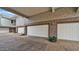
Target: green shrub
<point x="52" y="39"/>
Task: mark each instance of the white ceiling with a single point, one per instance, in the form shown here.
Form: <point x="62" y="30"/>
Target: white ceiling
<point x="30" y="11"/>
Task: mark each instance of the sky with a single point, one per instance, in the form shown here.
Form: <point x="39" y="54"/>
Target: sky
<point x="6" y="13"/>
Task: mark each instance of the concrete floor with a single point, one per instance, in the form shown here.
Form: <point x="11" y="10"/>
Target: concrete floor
<point x="15" y="42"/>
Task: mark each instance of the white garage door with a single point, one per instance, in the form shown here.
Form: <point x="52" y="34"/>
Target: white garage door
<point x="4" y="30"/>
<point x="21" y="30"/>
<point x="68" y="31"/>
<point x="40" y="31"/>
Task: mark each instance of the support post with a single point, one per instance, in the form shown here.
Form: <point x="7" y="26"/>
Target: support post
<point x="53" y="28"/>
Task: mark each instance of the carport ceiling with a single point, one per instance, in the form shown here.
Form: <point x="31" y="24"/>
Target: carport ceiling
<point x="28" y="11"/>
<point x="31" y="11"/>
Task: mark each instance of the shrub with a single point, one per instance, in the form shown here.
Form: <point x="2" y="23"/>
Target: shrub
<point x="52" y="39"/>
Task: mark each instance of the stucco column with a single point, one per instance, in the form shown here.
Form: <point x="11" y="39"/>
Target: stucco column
<point x="53" y="28"/>
<point x="25" y="30"/>
<point x="16" y="29"/>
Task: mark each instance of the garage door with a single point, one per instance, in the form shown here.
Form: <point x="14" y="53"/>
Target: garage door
<point x="68" y="31"/>
<point x="4" y="30"/>
<point x="21" y="30"/>
<point x="40" y="31"/>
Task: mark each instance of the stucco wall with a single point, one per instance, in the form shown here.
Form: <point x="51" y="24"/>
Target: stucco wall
<point x="5" y="22"/>
<point x="21" y="21"/>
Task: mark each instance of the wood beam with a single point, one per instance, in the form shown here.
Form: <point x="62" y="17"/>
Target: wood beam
<point x="75" y="9"/>
<point x="53" y="9"/>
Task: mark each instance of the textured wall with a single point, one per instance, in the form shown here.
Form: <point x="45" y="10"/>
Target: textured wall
<point x="21" y="21"/>
<point x="5" y="22"/>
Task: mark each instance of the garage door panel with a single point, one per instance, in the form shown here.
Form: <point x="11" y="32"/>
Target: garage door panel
<point x="41" y="30"/>
<point x="21" y="30"/>
<point x="68" y="31"/>
<point x="4" y="30"/>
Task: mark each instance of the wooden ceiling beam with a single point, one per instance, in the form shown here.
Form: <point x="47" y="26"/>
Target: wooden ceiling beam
<point x="75" y="9"/>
